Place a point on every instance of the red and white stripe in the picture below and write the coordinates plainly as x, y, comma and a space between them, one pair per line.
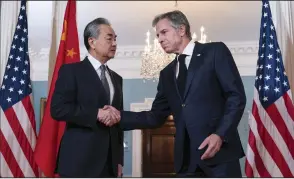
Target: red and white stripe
18, 140
270, 149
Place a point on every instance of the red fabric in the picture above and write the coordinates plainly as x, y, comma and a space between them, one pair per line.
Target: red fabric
51, 131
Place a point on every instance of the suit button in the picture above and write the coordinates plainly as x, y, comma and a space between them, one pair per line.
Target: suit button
183, 105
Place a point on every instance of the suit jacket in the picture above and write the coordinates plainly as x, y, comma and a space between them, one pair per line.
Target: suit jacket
214, 102
78, 95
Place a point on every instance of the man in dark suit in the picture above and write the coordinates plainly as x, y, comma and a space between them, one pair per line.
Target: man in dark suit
88, 147
203, 90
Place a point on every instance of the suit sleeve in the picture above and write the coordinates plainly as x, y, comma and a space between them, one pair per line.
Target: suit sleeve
121, 134
148, 119
64, 105
233, 89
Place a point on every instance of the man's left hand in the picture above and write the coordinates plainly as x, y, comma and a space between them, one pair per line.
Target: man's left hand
119, 170
214, 143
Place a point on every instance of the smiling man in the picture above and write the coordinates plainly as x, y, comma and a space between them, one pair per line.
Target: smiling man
88, 147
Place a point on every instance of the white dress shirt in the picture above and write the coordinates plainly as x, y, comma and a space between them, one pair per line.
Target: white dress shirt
96, 64
187, 51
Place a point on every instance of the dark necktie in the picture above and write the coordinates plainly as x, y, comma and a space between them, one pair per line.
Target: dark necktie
105, 83
181, 80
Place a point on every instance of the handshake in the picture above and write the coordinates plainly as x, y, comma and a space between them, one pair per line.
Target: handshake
108, 115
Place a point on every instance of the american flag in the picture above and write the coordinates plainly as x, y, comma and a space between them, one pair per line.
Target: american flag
270, 149
18, 126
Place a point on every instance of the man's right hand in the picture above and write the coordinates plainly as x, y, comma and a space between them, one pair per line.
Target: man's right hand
109, 115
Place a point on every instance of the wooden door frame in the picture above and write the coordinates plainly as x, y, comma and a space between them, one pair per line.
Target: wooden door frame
137, 143
137, 160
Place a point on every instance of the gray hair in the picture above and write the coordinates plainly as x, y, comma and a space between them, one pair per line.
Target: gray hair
93, 29
176, 18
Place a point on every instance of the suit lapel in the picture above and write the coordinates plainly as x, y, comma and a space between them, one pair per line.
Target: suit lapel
116, 95
196, 61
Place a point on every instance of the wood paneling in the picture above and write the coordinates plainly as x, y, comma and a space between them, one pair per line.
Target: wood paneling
158, 151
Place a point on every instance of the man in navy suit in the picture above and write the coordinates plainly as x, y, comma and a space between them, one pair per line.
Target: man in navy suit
203, 90
88, 147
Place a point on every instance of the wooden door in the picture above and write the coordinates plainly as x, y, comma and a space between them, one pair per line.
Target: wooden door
158, 151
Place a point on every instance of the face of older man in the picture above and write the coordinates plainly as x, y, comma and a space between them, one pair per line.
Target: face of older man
105, 45
169, 37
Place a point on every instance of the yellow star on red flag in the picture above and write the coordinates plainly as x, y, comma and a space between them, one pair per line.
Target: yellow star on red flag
71, 52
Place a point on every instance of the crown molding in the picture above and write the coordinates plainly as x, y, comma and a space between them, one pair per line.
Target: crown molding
127, 61
135, 51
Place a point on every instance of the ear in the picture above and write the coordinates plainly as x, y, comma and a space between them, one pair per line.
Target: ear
182, 30
92, 42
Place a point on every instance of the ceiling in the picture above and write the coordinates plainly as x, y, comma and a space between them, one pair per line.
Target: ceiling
223, 20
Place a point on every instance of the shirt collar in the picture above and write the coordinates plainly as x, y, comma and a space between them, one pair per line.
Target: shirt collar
188, 50
95, 63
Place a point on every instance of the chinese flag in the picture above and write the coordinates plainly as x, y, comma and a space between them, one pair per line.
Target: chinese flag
51, 131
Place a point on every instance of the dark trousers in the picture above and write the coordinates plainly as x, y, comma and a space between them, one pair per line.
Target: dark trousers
223, 170
107, 171
227, 170
199, 173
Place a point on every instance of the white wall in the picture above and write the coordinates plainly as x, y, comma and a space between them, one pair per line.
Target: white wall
127, 61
